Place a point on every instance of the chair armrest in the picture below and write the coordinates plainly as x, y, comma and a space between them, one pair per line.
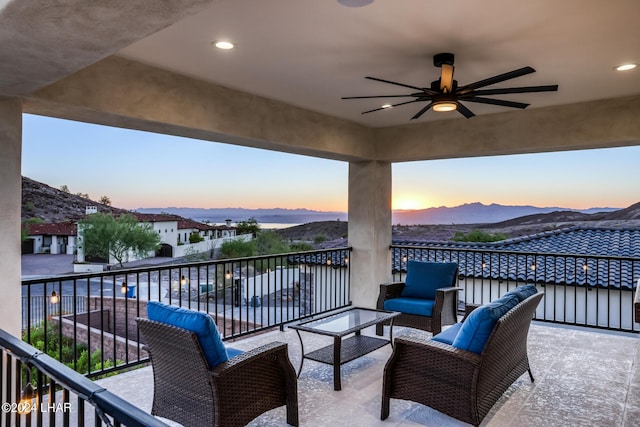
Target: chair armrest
389, 291
446, 297
262, 379
251, 357
449, 290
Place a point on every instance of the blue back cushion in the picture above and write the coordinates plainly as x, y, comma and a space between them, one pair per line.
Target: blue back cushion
523, 292
448, 335
418, 307
195, 321
423, 278
477, 327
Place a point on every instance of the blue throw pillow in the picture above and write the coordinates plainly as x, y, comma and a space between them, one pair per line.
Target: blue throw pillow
423, 278
523, 292
195, 321
477, 327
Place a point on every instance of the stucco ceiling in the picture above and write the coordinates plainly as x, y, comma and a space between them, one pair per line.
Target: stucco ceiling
312, 53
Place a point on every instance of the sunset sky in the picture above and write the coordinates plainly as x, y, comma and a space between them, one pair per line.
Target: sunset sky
139, 169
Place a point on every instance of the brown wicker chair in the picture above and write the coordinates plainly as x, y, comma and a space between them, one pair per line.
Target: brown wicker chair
461, 384
231, 394
445, 309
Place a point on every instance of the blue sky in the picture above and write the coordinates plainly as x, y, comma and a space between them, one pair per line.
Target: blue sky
140, 169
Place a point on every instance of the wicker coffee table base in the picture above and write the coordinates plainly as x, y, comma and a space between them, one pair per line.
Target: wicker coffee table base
343, 351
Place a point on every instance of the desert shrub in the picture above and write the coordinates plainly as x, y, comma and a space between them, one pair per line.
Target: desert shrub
478, 236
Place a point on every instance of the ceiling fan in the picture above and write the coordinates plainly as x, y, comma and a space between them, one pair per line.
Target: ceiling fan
444, 94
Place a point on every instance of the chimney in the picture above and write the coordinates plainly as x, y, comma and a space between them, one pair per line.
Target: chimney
228, 221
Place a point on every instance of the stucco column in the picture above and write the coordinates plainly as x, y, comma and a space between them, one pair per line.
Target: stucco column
369, 229
11, 191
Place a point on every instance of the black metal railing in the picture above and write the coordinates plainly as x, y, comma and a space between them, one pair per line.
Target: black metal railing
36, 389
592, 291
88, 320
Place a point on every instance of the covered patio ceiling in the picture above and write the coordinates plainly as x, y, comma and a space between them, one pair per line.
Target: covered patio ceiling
152, 67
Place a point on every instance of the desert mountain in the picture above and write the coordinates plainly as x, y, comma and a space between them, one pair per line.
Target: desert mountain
52, 205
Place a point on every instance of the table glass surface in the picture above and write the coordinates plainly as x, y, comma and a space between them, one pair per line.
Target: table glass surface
346, 320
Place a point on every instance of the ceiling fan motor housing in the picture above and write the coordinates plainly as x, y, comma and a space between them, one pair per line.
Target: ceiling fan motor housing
443, 58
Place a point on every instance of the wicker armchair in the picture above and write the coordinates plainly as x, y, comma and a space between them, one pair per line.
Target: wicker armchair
231, 394
445, 308
459, 383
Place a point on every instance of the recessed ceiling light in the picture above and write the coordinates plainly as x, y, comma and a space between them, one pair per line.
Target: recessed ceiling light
355, 3
223, 44
387, 106
625, 67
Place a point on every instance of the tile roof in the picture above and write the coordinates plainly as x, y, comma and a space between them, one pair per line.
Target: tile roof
188, 224
573, 256
52, 229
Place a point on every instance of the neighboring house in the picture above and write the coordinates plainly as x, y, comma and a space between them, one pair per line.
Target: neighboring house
52, 238
174, 232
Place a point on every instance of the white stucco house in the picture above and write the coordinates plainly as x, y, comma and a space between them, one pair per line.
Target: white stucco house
174, 231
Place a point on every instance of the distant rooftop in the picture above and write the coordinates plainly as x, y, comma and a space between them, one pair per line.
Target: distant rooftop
574, 256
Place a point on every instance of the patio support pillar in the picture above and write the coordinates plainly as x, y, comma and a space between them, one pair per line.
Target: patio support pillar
369, 229
10, 209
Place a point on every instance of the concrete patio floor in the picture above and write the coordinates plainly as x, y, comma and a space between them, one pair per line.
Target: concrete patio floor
583, 377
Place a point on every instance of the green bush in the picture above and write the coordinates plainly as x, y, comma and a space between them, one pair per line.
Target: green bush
195, 238
301, 247
319, 238
478, 236
237, 249
62, 349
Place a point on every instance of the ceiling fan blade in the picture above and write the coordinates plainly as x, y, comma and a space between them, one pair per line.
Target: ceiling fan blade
394, 105
525, 89
464, 110
421, 89
496, 79
379, 96
421, 112
500, 102
394, 83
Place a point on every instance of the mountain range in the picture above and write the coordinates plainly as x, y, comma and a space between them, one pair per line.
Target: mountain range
468, 213
53, 205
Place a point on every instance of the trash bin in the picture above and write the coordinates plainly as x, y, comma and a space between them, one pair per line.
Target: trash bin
131, 291
255, 301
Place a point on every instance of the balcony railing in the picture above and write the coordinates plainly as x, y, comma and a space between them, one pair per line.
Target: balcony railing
88, 320
591, 291
38, 390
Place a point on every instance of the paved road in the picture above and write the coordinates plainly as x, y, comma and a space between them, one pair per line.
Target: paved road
51, 265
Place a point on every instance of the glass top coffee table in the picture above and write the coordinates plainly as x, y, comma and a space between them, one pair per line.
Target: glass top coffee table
338, 326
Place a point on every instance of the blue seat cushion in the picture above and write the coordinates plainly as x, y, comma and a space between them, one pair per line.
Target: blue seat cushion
523, 292
477, 327
195, 321
448, 335
419, 307
423, 278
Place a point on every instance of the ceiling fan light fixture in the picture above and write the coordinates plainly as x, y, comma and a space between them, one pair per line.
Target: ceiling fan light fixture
223, 44
625, 67
442, 106
355, 3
